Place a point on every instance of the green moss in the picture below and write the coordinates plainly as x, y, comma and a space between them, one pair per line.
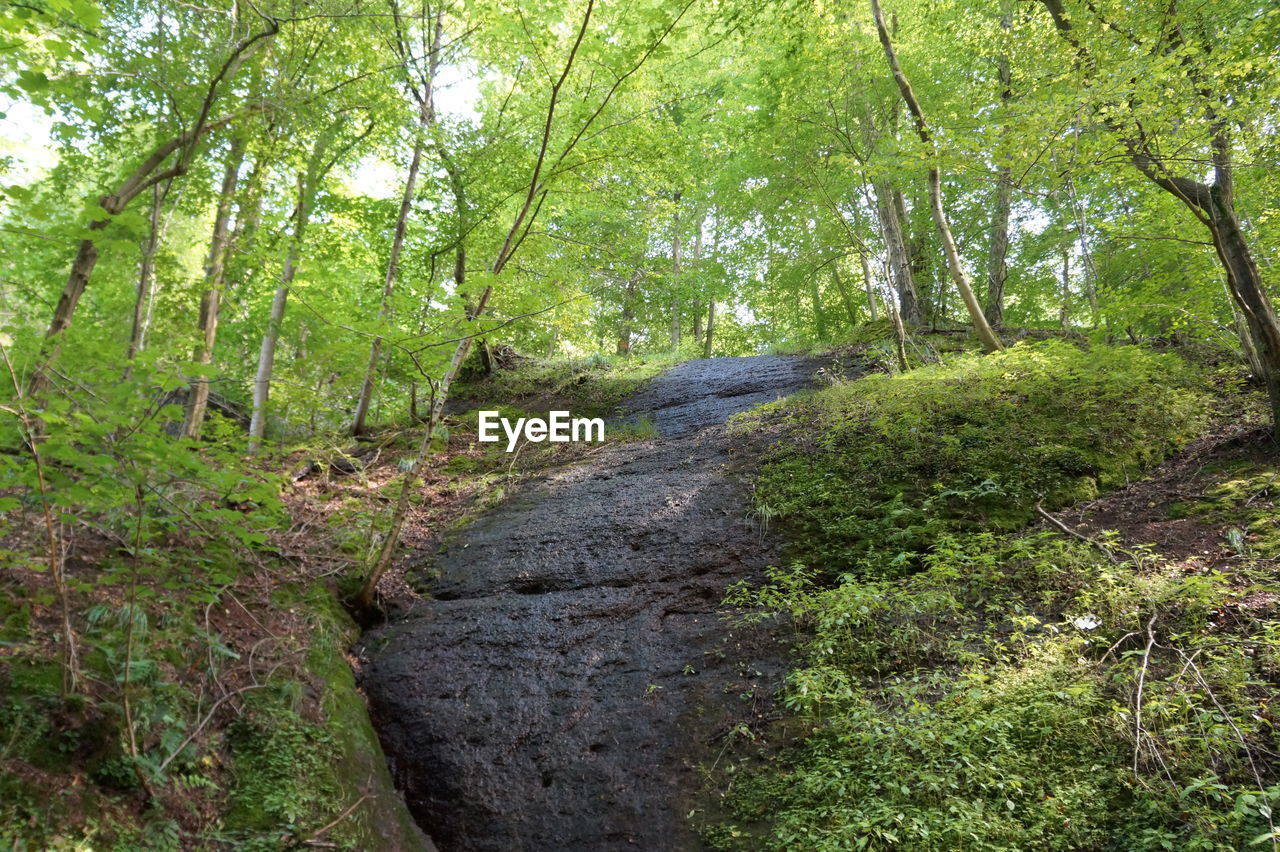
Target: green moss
382, 822
963, 684
871, 471
293, 773
589, 387
1243, 496
281, 766
983, 703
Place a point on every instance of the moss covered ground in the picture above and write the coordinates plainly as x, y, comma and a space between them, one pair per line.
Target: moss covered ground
1008, 637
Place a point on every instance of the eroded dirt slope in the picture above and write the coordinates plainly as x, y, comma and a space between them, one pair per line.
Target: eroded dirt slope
574, 667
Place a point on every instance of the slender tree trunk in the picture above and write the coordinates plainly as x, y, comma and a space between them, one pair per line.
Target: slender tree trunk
1242, 331
211, 300
1064, 312
819, 315
900, 261
899, 334
308, 184
711, 327
988, 337
146, 280
696, 307
866, 282
961, 278
267, 352
628, 315
358, 425
1090, 278
890, 217
997, 269
846, 298
676, 258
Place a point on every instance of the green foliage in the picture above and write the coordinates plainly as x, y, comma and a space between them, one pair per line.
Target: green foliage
1243, 497
588, 387
986, 703
960, 685
283, 768
872, 470
725, 162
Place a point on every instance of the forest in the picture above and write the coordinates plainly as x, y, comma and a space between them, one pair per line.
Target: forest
936, 502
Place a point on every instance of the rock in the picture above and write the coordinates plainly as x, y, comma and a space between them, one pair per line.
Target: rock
575, 665
346, 465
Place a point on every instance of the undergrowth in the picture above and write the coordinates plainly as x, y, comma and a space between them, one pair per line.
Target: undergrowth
965, 683
162, 630
589, 387
872, 470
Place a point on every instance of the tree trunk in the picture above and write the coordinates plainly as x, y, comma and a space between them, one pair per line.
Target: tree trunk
989, 340
1064, 312
1090, 273
711, 327
1242, 331
146, 279
1250, 295
819, 315
997, 269
900, 261
628, 315
697, 303
916, 249
318, 165
211, 300
899, 335
846, 298
677, 249
358, 425
267, 352
866, 282
988, 337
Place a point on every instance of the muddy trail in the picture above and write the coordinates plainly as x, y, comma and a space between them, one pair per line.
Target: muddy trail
574, 665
